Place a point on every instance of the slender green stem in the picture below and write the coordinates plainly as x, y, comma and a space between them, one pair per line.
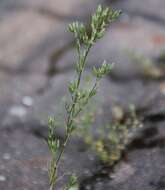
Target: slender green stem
62, 149
70, 117
79, 97
69, 123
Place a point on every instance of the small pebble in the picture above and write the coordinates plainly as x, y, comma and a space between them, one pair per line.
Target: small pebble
2, 178
6, 156
18, 111
88, 187
99, 185
98, 179
91, 158
35, 182
27, 101
86, 172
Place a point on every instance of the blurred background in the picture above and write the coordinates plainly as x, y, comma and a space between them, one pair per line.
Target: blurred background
37, 58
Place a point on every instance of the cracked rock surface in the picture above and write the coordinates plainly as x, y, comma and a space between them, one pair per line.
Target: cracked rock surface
36, 63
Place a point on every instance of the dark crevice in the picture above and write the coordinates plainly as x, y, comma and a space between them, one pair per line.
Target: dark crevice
150, 132
23, 69
102, 173
17, 71
155, 118
52, 70
88, 183
12, 71
55, 57
33, 127
37, 132
141, 143
43, 134
148, 138
160, 184
148, 116
124, 79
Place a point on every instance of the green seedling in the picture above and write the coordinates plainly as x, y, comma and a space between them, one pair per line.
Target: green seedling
149, 67
79, 96
113, 138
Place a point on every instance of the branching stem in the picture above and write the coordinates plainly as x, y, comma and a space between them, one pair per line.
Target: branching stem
79, 97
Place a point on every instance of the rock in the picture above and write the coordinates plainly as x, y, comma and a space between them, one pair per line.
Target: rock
59, 9
26, 166
27, 101
144, 169
27, 160
123, 173
18, 111
6, 156
153, 12
148, 175
155, 111
121, 44
32, 38
36, 64
14, 90
111, 94
2, 178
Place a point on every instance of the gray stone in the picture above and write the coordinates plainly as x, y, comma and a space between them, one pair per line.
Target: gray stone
27, 39
110, 94
27, 160
13, 92
142, 169
36, 64
26, 167
151, 9
122, 43
145, 171
55, 8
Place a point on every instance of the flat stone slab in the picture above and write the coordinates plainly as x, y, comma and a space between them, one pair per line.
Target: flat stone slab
55, 8
151, 9
17, 95
36, 64
111, 94
123, 42
145, 170
142, 169
27, 38
24, 159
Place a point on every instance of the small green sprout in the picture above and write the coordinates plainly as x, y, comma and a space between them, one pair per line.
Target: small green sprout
149, 67
103, 70
72, 184
79, 96
113, 138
